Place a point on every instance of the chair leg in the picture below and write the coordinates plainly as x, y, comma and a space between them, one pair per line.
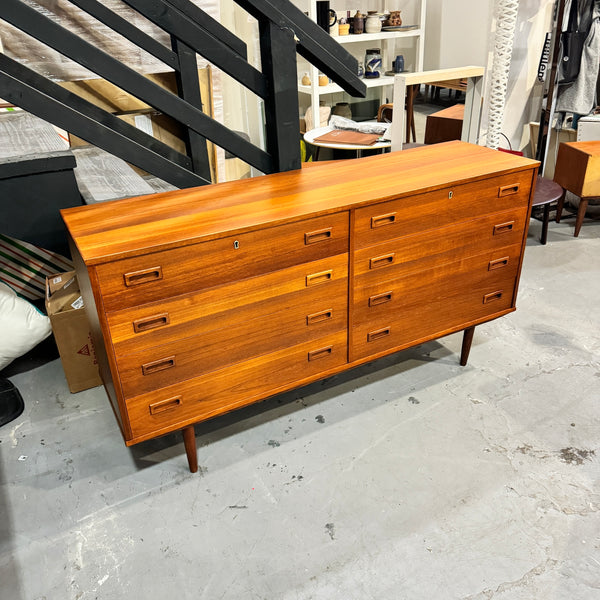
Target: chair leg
583, 203
545, 220
559, 206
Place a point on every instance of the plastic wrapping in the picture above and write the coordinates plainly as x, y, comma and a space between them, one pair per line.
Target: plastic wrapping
338, 122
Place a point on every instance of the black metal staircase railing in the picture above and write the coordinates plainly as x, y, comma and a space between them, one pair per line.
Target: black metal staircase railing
283, 31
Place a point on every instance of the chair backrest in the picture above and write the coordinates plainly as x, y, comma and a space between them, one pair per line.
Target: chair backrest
384, 114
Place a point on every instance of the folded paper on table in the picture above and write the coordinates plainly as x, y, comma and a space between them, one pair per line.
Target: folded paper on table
338, 136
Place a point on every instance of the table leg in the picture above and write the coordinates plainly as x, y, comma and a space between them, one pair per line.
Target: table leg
583, 203
545, 220
559, 206
466, 345
189, 441
410, 118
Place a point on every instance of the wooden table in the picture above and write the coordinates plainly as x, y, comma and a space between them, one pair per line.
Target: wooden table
472, 115
578, 171
310, 136
445, 125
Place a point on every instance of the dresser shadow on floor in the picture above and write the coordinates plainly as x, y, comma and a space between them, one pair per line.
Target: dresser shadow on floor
170, 446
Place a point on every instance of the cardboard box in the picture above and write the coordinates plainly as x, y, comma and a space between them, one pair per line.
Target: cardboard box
71, 329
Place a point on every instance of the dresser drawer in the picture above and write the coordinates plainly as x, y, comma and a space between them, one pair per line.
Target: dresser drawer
135, 281
139, 328
237, 385
424, 305
291, 321
431, 210
397, 257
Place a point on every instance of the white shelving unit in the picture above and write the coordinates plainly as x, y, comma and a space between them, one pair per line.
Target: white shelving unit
357, 45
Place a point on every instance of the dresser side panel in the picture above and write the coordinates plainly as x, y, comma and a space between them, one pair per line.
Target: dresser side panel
92, 298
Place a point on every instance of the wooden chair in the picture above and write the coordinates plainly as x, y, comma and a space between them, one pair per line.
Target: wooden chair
385, 113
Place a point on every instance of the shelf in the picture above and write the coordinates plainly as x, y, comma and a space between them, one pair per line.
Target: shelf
390, 43
333, 88
376, 37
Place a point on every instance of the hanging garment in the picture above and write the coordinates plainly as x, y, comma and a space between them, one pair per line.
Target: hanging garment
580, 97
572, 42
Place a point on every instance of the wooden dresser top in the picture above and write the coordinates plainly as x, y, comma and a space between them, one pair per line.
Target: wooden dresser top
134, 226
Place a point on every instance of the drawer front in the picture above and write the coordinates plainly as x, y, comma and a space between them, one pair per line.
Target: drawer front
292, 321
140, 328
234, 386
397, 257
414, 214
151, 277
396, 313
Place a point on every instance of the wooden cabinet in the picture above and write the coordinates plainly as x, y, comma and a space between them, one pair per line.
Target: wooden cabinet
205, 300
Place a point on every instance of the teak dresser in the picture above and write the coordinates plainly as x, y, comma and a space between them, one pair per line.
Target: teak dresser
208, 299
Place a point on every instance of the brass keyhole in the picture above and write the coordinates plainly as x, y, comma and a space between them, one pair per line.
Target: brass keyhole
236, 245
450, 194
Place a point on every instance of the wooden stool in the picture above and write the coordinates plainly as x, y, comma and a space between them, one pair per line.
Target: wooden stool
578, 171
547, 192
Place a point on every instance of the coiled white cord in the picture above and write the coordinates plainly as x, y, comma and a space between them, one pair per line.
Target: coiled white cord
506, 20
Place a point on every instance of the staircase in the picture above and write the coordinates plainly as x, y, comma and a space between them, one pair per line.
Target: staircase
284, 31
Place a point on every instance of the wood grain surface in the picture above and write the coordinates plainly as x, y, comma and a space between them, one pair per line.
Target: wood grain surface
140, 225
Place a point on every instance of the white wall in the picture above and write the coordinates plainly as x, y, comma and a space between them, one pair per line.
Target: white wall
461, 33
457, 33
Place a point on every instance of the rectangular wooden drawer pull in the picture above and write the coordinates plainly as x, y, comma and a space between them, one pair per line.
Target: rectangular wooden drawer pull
312, 237
498, 263
382, 220
141, 277
382, 261
165, 405
151, 322
378, 334
493, 296
319, 317
380, 298
158, 365
321, 277
320, 353
507, 190
504, 227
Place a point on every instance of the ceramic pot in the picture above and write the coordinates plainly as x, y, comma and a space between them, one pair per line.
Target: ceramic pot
394, 20
342, 109
358, 23
373, 22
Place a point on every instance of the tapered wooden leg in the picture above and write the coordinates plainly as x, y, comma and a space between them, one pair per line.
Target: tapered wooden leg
466, 345
189, 441
583, 203
544, 236
559, 206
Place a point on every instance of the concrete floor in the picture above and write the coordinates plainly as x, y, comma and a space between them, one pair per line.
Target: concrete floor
409, 478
